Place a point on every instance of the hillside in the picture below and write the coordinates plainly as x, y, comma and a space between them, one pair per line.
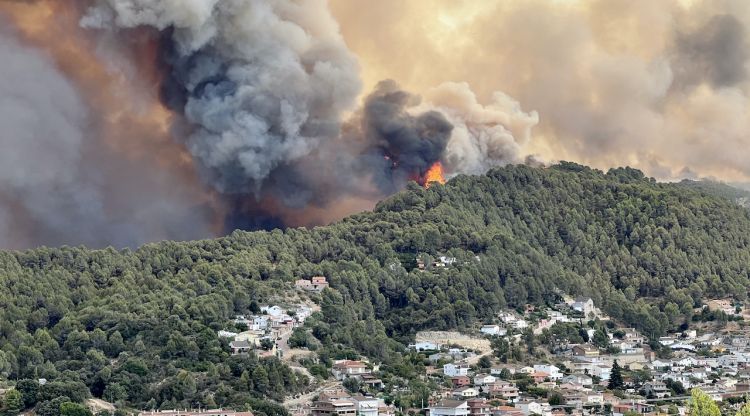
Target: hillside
733, 193
139, 326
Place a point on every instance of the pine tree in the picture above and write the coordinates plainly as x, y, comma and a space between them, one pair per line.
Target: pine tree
13, 403
615, 377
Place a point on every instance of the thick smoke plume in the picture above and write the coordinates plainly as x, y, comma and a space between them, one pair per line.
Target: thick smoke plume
138, 120
267, 91
261, 82
659, 85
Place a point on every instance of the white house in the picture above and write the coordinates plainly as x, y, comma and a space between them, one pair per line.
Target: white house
657, 389
553, 371
302, 313
681, 377
465, 393
578, 379
241, 320
425, 346
494, 330
686, 362
272, 310
449, 408
660, 364
530, 408
455, 370
508, 318
601, 371
366, 406
482, 379
594, 398
729, 360
496, 371
666, 341
346, 368
584, 306
259, 323
520, 324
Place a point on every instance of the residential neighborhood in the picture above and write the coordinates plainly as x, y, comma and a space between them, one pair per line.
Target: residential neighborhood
261, 332
611, 370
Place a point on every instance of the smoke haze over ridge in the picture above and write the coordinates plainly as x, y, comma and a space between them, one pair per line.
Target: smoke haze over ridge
205, 116
659, 85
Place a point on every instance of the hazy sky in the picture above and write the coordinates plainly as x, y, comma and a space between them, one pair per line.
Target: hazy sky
658, 85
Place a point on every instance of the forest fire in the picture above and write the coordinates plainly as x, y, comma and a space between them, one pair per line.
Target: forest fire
434, 174
166, 126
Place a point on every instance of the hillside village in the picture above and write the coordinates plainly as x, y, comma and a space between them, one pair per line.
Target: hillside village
563, 359
615, 371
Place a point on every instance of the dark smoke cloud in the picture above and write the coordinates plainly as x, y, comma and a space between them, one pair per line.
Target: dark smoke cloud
264, 100
716, 53
405, 144
383, 146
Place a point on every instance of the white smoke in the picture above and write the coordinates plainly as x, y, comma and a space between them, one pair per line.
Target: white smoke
484, 136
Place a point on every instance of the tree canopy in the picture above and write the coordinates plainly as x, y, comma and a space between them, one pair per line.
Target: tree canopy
140, 326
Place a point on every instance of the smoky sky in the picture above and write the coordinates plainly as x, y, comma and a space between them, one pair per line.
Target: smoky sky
59, 184
278, 114
657, 85
716, 53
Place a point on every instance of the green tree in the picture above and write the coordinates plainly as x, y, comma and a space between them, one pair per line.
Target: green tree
351, 384
266, 344
615, 377
51, 407
29, 390
13, 402
114, 393
74, 409
701, 404
600, 338
501, 349
556, 399
485, 362
744, 410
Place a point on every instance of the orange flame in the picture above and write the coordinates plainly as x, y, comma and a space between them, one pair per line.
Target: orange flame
434, 174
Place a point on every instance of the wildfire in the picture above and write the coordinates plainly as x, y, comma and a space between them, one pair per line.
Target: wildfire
434, 174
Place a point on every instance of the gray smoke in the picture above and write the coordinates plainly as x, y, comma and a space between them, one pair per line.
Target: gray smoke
265, 86
263, 83
59, 184
42, 119
716, 52
264, 94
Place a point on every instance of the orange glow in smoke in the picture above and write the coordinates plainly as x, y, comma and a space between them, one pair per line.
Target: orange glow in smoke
126, 99
119, 82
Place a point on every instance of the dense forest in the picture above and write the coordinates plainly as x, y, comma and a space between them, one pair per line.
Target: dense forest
138, 327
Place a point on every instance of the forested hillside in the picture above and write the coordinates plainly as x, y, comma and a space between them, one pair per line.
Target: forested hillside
740, 196
139, 327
